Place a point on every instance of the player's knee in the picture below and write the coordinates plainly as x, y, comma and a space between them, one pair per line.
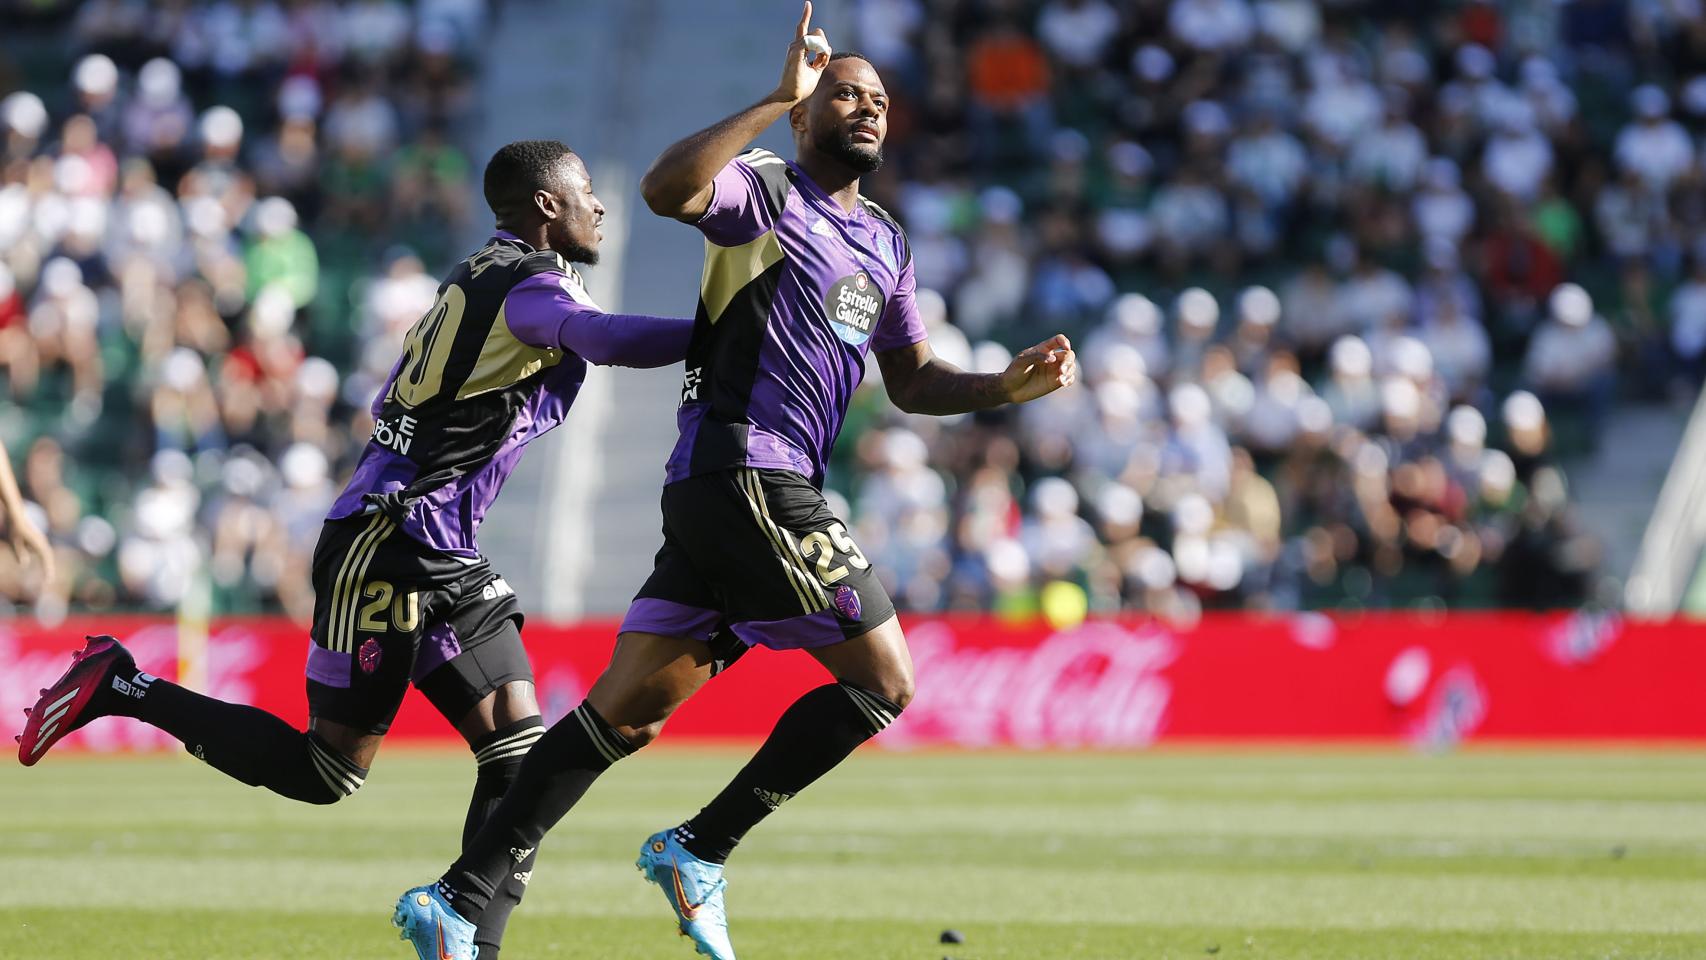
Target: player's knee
642, 735
896, 686
338, 776
499, 754
901, 691
331, 795
879, 708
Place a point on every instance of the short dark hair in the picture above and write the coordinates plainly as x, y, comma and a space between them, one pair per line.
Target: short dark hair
520, 168
849, 55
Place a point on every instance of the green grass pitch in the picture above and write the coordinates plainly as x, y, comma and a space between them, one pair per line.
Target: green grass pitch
1180, 854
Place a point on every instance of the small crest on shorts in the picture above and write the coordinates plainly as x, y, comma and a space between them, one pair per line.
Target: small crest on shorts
368, 655
847, 601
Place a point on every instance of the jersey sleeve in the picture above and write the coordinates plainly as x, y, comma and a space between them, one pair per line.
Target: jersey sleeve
900, 326
745, 199
544, 311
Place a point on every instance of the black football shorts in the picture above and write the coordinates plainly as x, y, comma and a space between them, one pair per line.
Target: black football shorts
390, 611
760, 551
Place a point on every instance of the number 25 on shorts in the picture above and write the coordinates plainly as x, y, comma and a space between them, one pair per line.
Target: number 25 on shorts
824, 544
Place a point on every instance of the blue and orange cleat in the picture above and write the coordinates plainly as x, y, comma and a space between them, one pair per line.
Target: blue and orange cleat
69, 702
433, 926
694, 889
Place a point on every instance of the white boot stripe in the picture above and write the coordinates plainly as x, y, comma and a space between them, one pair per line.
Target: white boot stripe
62, 700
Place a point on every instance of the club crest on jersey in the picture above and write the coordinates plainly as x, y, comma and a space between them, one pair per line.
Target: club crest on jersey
847, 601
368, 656
853, 305
887, 253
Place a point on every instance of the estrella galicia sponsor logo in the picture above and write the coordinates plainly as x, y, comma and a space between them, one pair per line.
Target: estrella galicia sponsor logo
853, 305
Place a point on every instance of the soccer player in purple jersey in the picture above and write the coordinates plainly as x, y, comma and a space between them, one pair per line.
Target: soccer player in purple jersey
803, 276
402, 592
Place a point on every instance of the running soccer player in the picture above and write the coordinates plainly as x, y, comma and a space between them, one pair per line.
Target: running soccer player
402, 592
802, 277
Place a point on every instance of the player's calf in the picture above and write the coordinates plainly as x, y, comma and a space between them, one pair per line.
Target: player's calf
499, 756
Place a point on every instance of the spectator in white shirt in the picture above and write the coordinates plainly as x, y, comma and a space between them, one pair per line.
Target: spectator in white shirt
1654, 146
1570, 361
1688, 320
1211, 26
1518, 156
1373, 295
1350, 391
1391, 156
1077, 32
1461, 350
1442, 208
1189, 215
1630, 217
1267, 160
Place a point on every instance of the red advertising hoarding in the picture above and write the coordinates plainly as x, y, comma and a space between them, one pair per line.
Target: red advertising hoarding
1102, 685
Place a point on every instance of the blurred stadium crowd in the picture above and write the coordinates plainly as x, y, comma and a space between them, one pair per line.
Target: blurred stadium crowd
1347, 280
202, 276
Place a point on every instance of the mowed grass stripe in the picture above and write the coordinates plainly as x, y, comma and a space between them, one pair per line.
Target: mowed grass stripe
216, 935
1521, 855
811, 892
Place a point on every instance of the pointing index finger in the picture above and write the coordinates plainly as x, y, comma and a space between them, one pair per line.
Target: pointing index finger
805, 21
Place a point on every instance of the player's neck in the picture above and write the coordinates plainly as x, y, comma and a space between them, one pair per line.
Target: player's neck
833, 177
534, 236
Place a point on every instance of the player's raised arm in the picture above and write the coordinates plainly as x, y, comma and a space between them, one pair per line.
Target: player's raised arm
679, 182
918, 381
545, 311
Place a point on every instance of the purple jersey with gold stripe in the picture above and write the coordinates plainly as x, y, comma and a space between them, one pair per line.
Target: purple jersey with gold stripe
794, 293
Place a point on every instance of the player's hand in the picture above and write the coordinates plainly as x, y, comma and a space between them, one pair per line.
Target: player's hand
32, 546
1041, 370
800, 74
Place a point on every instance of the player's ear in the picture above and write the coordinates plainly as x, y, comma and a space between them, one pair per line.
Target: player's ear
546, 203
797, 117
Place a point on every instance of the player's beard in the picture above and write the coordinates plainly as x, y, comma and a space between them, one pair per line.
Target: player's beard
575, 253
838, 142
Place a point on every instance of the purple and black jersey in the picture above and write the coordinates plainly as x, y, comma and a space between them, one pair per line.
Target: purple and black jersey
493, 365
795, 292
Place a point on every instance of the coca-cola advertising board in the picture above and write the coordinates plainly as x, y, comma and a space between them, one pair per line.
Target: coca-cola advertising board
983, 682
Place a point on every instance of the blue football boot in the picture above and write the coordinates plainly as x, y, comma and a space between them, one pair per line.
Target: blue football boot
435, 929
694, 889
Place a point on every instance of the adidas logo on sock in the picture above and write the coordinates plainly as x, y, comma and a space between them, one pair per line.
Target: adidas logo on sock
771, 798
519, 854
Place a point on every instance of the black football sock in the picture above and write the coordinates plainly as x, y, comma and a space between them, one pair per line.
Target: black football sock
499, 755
815, 734
557, 772
242, 742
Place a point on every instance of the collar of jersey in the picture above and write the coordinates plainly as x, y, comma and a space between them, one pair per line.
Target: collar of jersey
501, 234
822, 199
